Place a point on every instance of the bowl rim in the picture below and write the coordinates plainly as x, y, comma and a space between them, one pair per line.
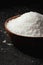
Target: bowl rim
14, 17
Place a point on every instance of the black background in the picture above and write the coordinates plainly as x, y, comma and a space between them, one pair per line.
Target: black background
29, 3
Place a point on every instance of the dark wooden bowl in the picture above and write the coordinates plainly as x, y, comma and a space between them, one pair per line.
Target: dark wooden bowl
29, 45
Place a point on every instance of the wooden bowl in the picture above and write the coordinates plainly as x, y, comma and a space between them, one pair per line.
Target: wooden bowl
29, 45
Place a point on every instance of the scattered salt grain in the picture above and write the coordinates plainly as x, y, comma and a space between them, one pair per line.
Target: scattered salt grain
32, 61
9, 44
1, 49
4, 41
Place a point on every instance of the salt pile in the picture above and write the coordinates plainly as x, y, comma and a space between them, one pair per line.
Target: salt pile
29, 24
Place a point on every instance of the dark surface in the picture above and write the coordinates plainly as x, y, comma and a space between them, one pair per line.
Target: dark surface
9, 55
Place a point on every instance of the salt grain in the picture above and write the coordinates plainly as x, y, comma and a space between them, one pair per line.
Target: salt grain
4, 41
1, 49
28, 24
9, 44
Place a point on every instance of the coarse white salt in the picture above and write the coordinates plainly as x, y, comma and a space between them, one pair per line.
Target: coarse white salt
29, 24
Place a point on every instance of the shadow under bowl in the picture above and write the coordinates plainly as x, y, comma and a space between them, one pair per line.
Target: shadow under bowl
32, 46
